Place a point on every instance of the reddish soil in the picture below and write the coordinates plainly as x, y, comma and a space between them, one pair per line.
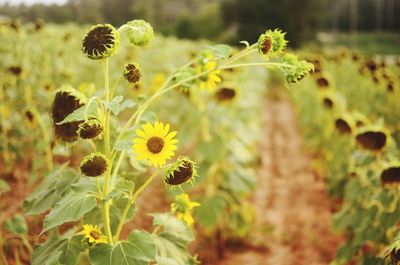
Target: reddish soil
293, 207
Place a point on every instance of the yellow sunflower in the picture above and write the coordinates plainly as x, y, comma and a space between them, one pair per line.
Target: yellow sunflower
210, 80
183, 207
93, 234
155, 144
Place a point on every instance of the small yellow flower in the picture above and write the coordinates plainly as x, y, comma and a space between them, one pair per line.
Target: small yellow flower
210, 80
183, 207
155, 143
93, 234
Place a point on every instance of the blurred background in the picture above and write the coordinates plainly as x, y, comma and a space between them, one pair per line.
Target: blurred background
371, 26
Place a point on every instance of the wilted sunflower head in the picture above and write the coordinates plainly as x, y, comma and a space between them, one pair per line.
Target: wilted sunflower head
66, 100
299, 69
100, 42
360, 119
94, 165
272, 41
132, 73
391, 174
15, 70
344, 124
90, 129
323, 80
372, 138
180, 172
226, 94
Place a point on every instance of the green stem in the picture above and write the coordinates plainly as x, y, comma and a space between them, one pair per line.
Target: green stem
107, 112
132, 202
270, 64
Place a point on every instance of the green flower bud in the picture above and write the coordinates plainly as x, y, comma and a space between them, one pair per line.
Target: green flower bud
272, 42
101, 42
66, 100
94, 165
132, 73
180, 172
299, 70
140, 32
90, 129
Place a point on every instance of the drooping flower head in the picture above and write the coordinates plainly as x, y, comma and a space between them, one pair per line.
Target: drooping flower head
132, 73
180, 172
94, 165
298, 68
66, 100
93, 234
155, 143
100, 42
272, 41
90, 129
182, 207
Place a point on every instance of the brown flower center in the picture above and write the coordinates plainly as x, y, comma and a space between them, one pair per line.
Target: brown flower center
98, 40
155, 144
266, 46
95, 235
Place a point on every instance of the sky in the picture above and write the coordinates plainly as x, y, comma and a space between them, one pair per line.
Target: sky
30, 2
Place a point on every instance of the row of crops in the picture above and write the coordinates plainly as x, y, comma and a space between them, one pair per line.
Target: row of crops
352, 102
94, 116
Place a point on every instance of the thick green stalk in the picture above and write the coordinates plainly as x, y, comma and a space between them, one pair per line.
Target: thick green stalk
132, 201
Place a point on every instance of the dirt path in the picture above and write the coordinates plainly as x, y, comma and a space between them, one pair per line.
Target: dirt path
291, 200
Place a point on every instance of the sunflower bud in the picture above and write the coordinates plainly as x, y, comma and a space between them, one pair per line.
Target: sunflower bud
299, 70
140, 32
100, 42
66, 100
132, 73
182, 171
372, 138
272, 42
15, 70
90, 129
94, 165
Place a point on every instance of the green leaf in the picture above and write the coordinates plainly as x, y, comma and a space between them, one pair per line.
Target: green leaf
79, 114
127, 104
114, 104
16, 225
176, 229
210, 211
58, 251
50, 191
70, 208
165, 261
126, 141
139, 249
221, 51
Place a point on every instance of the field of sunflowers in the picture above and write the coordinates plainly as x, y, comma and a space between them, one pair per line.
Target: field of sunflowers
119, 146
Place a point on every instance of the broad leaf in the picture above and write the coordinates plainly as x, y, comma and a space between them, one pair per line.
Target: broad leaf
50, 191
114, 104
221, 51
79, 114
139, 249
70, 208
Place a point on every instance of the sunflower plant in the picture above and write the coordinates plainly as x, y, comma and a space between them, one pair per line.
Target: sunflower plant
98, 199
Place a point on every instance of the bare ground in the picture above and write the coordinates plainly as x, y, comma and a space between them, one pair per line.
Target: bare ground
291, 200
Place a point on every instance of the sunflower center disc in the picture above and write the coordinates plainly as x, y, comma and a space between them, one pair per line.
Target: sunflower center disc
95, 235
155, 144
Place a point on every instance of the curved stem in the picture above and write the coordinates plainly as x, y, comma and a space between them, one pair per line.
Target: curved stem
132, 201
258, 64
